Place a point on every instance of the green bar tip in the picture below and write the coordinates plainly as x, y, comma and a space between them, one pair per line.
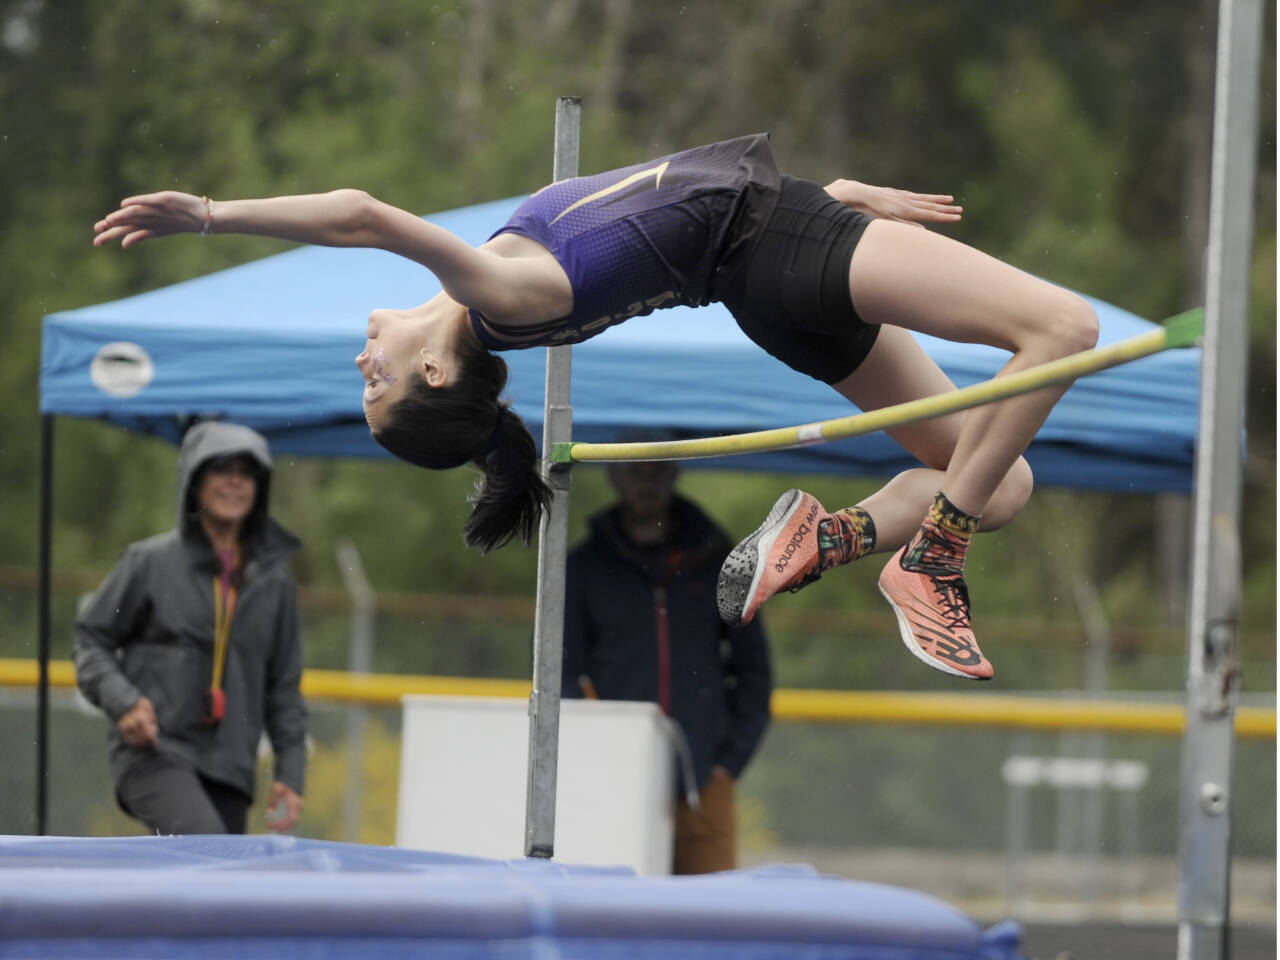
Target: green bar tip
1184, 329
562, 452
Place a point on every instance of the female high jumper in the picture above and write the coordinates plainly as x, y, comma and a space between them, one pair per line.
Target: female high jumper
830, 280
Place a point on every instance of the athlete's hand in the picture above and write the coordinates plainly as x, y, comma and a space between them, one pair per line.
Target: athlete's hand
284, 807
138, 725
889, 203
151, 215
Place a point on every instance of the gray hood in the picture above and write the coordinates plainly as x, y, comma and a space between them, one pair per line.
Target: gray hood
207, 441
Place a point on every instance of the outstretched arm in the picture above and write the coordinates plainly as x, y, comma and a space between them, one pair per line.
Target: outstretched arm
331, 219
341, 218
892, 204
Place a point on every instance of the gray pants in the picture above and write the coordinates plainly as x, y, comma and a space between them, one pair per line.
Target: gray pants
170, 797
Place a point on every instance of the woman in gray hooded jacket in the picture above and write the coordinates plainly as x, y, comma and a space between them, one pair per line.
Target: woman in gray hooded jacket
191, 647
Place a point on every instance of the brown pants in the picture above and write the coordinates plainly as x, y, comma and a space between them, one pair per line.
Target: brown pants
706, 839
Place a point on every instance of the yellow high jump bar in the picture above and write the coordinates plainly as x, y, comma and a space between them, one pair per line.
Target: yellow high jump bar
1180, 331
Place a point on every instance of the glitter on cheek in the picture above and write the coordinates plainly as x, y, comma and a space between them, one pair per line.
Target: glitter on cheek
380, 367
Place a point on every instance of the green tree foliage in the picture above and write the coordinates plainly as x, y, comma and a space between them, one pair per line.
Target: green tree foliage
1071, 131
1068, 129
1074, 132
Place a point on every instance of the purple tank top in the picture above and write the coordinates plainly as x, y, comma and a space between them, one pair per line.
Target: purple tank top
637, 239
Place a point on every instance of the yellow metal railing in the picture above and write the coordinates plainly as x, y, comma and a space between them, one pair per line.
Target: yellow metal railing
813, 706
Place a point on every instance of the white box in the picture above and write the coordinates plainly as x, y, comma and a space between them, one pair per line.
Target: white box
464, 777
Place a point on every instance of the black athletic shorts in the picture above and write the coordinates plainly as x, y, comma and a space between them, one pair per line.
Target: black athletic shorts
786, 280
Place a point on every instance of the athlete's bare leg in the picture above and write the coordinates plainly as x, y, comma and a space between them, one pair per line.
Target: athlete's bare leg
898, 370
905, 276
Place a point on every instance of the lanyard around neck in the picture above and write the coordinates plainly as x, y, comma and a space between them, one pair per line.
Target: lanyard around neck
224, 610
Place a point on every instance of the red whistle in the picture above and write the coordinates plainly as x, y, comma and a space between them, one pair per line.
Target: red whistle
215, 706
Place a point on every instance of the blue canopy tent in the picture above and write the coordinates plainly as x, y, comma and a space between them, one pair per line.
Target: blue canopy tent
270, 344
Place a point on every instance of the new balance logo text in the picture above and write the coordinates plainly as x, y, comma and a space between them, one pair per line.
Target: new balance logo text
797, 540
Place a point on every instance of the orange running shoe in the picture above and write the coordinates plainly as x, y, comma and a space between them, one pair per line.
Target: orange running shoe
782, 554
933, 618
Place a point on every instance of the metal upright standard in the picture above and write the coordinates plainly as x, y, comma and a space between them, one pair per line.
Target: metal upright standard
1213, 619
45, 616
553, 547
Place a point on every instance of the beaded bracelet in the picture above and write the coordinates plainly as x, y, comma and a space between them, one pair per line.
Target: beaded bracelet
208, 217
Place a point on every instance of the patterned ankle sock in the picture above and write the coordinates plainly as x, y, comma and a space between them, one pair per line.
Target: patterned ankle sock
943, 539
844, 536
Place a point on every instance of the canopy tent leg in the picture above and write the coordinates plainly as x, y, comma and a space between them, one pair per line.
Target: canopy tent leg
553, 549
1213, 620
44, 602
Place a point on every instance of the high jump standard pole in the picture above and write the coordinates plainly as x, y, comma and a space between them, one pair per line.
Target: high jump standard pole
1204, 847
553, 549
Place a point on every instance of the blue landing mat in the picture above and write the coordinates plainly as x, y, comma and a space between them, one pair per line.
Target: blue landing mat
277, 897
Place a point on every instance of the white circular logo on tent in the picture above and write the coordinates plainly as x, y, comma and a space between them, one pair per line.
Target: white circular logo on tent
122, 369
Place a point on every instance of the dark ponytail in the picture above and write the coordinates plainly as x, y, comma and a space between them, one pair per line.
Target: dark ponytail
465, 421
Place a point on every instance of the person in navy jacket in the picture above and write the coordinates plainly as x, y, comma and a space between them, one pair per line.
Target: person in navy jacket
641, 624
